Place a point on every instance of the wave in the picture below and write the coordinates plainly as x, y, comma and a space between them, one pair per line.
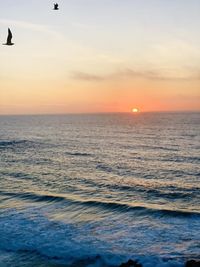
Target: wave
142, 210
110, 206
188, 159
12, 143
125, 171
24, 143
80, 154
17, 175
105, 168
30, 232
150, 147
167, 193
33, 197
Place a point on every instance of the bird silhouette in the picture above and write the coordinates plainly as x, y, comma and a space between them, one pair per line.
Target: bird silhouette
9, 38
56, 6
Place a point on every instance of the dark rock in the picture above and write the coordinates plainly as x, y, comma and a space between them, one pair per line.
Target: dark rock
192, 263
131, 263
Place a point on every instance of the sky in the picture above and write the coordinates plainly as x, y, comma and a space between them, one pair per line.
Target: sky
100, 56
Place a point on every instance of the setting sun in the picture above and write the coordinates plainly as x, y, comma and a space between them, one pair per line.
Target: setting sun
135, 110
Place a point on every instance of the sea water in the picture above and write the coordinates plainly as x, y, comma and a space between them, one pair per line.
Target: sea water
99, 189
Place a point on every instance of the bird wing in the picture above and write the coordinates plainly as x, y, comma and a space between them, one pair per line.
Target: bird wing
9, 36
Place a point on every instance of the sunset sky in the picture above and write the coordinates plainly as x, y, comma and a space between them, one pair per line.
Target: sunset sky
100, 56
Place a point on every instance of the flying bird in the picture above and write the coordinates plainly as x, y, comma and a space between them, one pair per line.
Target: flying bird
56, 6
9, 38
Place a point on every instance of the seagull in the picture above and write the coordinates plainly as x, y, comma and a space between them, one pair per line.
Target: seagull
9, 38
56, 6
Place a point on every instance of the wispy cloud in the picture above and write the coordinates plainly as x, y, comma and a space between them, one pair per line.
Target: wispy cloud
145, 74
87, 76
28, 25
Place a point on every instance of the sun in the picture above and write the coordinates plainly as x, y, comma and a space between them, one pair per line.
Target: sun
135, 110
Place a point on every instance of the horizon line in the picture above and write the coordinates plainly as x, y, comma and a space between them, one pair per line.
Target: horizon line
98, 113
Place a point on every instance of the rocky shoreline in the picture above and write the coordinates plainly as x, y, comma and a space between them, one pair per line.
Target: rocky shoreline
133, 263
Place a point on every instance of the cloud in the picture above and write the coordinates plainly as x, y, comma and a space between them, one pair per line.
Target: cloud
161, 75
28, 25
87, 76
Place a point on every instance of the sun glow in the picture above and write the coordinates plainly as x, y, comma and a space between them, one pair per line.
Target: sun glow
135, 110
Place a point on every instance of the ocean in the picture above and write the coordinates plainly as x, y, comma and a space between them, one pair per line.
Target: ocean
95, 190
